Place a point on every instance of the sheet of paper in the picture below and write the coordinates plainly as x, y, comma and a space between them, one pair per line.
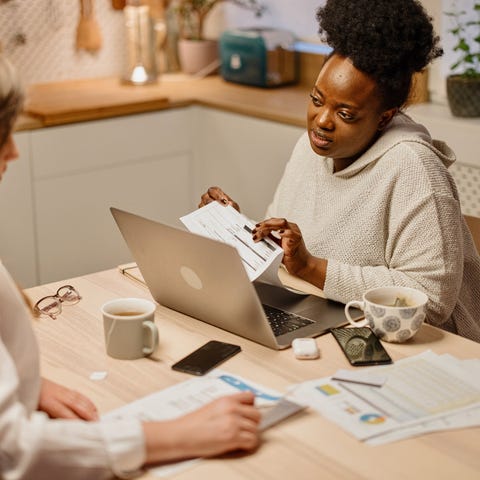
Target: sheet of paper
279, 412
423, 393
187, 396
260, 259
464, 419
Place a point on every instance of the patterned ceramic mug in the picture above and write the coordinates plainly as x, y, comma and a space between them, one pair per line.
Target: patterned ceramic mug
394, 313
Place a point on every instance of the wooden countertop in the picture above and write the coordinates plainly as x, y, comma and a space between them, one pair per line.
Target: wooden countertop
59, 103
27, 122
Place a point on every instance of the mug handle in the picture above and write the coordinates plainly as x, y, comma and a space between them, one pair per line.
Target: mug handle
361, 306
153, 337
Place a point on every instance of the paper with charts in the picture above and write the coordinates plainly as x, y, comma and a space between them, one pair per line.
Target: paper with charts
191, 394
424, 393
223, 223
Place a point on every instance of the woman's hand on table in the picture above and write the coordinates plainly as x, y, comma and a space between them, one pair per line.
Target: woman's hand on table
217, 194
223, 425
58, 401
296, 258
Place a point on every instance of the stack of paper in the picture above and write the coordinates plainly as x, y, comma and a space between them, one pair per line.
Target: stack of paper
424, 393
223, 223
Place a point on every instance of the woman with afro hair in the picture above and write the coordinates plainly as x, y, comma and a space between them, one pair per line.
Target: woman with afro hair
366, 199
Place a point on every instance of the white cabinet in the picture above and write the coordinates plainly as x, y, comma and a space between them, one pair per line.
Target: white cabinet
245, 156
17, 238
139, 163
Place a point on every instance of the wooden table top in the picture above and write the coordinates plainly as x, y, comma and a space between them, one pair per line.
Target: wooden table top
305, 446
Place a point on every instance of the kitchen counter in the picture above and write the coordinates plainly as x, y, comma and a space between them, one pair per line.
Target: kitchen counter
59, 103
27, 122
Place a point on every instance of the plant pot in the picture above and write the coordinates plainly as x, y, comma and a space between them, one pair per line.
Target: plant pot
463, 95
196, 55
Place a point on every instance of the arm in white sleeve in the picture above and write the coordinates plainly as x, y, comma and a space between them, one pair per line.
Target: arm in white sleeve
32, 446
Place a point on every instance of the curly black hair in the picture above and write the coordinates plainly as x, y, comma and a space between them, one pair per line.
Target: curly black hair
389, 40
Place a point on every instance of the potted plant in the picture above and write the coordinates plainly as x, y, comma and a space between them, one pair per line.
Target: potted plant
463, 85
197, 53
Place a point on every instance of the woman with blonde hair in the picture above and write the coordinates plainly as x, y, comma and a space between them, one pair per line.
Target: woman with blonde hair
49, 431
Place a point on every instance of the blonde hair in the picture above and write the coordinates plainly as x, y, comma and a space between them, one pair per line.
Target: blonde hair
11, 101
11, 98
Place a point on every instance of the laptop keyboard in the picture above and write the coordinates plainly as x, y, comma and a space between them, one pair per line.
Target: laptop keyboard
284, 322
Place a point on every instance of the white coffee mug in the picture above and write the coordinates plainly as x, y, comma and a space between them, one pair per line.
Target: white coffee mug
395, 314
129, 327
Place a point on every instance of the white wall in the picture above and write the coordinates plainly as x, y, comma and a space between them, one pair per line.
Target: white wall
48, 28
298, 16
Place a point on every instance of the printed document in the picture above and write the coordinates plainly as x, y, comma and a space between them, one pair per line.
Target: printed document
223, 223
427, 392
187, 396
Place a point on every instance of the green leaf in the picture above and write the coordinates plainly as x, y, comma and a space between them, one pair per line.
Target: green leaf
463, 45
456, 65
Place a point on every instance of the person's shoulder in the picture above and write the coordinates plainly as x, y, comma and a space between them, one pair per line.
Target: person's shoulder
419, 168
403, 128
413, 143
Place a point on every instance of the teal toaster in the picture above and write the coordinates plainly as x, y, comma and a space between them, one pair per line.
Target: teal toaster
262, 57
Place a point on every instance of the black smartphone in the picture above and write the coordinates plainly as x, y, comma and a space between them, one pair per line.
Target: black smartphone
208, 356
361, 346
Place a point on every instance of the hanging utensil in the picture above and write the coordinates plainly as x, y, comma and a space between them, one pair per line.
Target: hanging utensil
118, 4
88, 32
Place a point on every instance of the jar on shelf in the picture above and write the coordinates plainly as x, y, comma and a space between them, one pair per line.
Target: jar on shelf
140, 41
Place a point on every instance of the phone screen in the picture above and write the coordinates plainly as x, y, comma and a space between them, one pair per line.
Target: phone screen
206, 357
361, 346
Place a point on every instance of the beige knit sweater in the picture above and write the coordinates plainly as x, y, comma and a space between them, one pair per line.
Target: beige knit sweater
391, 218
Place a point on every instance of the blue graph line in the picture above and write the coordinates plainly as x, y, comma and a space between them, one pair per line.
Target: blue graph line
238, 384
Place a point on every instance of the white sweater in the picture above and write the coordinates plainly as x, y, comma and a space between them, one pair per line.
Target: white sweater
32, 446
391, 218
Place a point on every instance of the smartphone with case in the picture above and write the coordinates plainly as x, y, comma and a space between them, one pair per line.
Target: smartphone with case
205, 358
361, 346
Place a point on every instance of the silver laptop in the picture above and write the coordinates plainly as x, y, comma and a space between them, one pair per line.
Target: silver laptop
206, 279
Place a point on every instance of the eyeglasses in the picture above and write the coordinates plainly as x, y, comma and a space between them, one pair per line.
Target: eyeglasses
52, 304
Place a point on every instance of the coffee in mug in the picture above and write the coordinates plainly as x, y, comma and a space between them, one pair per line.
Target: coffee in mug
129, 328
395, 314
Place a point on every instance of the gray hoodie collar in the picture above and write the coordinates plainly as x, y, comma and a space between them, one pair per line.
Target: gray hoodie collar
401, 129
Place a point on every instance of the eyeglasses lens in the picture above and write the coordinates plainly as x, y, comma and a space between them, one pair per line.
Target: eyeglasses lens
68, 294
49, 306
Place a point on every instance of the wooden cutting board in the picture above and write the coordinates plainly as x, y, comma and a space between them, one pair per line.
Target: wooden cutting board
57, 103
